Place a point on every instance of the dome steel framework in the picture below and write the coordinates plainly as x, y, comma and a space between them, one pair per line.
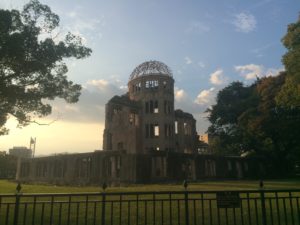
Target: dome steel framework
150, 68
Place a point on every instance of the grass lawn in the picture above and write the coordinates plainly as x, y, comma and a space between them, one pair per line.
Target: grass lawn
202, 208
10, 187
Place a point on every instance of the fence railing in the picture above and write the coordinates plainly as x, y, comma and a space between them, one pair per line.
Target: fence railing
246, 207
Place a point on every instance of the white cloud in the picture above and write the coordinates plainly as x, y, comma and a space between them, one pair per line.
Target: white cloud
72, 14
187, 104
244, 22
81, 25
124, 88
84, 26
206, 97
180, 94
100, 84
71, 108
91, 105
273, 72
251, 71
188, 60
9, 4
218, 78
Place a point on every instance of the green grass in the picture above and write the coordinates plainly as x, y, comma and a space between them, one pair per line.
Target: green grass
10, 187
202, 208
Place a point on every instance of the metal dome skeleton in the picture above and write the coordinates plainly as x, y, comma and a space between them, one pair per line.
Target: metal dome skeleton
150, 68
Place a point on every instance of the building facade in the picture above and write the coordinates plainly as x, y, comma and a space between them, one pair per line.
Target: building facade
21, 152
144, 119
145, 140
119, 168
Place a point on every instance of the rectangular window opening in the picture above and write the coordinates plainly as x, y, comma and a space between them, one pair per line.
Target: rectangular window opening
131, 118
151, 130
151, 84
151, 110
155, 107
165, 84
138, 86
156, 130
185, 128
176, 127
168, 130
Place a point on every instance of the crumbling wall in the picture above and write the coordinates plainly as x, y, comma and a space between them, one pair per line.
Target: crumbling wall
118, 168
122, 126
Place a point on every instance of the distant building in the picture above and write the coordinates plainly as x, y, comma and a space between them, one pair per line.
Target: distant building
2, 153
21, 152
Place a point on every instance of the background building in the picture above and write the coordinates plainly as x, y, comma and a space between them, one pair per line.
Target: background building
21, 152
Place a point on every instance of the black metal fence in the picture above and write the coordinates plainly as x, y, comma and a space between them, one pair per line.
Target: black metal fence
265, 207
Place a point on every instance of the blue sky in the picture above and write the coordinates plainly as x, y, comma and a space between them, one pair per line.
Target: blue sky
207, 44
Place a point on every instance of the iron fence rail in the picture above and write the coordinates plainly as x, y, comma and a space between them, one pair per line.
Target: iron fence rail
246, 207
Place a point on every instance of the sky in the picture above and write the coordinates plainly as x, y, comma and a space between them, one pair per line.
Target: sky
207, 45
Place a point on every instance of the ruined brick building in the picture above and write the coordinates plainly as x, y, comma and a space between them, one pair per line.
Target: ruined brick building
144, 120
145, 141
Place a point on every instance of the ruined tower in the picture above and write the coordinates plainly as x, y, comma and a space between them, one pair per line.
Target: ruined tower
151, 83
144, 120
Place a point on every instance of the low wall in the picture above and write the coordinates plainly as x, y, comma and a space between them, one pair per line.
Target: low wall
117, 168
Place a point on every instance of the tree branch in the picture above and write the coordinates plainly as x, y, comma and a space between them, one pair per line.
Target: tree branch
34, 121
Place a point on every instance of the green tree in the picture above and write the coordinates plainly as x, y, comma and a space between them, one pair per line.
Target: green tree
289, 95
247, 118
264, 117
232, 103
278, 122
32, 67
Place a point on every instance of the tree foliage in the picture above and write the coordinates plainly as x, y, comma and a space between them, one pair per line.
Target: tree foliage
233, 103
264, 117
247, 119
290, 91
31, 63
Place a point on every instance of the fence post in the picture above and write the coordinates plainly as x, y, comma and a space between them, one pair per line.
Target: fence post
263, 204
17, 204
104, 186
186, 203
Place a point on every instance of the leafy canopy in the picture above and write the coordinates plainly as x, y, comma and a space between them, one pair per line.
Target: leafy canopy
290, 92
262, 118
248, 119
31, 63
